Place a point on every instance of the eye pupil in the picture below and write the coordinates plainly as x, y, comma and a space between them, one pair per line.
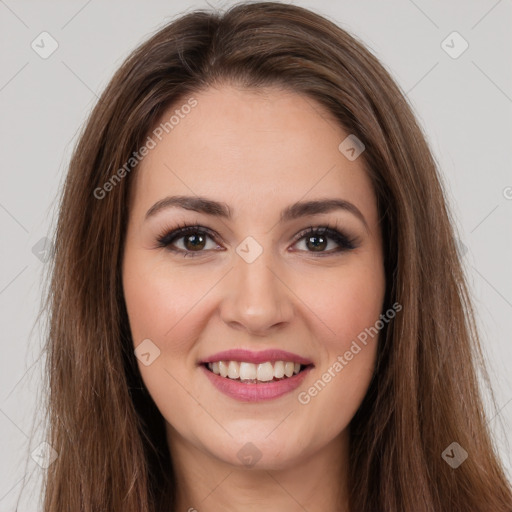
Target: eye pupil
317, 246
198, 241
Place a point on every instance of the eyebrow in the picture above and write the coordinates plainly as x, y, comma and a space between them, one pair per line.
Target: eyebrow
220, 209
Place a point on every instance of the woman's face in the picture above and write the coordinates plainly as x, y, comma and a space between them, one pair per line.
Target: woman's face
249, 278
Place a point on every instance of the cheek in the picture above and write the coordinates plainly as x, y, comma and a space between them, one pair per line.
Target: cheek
347, 303
350, 307
165, 306
161, 301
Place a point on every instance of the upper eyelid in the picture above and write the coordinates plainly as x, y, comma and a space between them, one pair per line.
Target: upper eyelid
182, 230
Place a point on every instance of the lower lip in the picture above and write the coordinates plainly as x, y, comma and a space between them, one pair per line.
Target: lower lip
246, 392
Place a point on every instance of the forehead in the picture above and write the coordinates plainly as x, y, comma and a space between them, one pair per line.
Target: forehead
256, 148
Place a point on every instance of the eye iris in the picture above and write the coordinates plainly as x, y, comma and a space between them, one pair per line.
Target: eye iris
318, 246
197, 240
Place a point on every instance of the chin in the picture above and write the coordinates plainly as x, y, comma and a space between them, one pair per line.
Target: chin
260, 451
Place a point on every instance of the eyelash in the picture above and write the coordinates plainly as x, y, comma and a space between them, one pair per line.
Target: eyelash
332, 232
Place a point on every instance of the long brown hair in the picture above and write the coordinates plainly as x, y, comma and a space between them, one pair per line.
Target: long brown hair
108, 433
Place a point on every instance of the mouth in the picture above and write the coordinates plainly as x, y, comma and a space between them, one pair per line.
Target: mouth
255, 376
256, 373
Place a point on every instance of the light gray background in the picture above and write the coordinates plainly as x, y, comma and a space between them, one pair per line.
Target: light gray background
464, 105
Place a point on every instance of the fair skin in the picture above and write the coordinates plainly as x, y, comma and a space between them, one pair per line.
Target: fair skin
258, 153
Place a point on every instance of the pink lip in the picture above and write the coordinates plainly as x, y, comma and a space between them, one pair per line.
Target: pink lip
246, 392
256, 357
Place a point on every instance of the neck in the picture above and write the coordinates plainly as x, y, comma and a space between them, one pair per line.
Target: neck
315, 483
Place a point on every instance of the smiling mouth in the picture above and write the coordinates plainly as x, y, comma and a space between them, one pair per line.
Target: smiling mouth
251, 373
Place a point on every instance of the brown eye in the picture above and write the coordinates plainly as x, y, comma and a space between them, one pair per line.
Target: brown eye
317, 240
188, 240
194, 242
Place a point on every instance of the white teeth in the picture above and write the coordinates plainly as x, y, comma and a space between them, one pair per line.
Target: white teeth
223, 369
247, 371
279, 369
263, 372
233, 370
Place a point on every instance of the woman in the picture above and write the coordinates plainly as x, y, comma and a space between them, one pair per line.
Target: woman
256, 300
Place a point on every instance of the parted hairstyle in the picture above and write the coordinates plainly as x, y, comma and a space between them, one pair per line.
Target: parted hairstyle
424, 394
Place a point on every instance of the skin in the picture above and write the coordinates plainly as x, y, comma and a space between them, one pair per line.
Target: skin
258, 152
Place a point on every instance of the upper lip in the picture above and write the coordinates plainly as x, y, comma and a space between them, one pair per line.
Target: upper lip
250, 356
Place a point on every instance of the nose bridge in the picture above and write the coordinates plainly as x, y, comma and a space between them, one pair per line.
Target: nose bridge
259, 298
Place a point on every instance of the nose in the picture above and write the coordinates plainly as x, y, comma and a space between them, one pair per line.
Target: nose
256, 296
